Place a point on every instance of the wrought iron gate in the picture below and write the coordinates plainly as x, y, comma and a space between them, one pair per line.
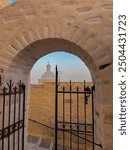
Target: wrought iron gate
73, 131
12, 108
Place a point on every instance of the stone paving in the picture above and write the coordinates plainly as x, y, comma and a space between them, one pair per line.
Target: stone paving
36, 143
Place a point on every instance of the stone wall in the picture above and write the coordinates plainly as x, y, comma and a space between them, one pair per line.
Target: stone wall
31, 29
4, 3
42, 81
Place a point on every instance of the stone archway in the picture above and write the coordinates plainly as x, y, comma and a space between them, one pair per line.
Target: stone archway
32, 29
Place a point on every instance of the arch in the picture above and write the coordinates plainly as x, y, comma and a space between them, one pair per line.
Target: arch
25, 59
22, 63
28, 22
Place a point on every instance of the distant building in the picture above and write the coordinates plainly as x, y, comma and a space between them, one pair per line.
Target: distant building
47, 76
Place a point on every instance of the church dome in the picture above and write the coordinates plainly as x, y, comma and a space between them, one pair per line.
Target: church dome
48, 74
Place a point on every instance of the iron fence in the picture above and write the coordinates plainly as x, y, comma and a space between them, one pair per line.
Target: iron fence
12, 99
71, 119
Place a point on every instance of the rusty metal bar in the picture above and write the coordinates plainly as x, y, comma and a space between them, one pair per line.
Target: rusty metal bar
75, 92
88, 124
9, 128
3, 118
23, 89
19, 111
8, 131
93, 116
77, 128
78, 117
9, 114
63, 118
56, 110
70, 117
99, 145
15, 90
85, 127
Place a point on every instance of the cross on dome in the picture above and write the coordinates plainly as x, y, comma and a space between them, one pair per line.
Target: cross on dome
48, 67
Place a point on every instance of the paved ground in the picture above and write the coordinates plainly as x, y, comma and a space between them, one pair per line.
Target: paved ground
36, 143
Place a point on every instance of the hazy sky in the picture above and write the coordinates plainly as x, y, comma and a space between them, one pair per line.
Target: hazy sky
13, 1
71, 66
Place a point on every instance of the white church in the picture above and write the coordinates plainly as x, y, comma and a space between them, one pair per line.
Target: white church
48, 76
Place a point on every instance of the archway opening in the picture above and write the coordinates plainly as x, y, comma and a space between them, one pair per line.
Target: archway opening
70, 66
23, 62
42, 96
33, 29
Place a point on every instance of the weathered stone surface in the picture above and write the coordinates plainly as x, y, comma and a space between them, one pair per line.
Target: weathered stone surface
49, 13
108, 144
108, 115
108, 6
32, 29
108, 119
26, 7
94, 19
84, 9
30, 16
101, 55
68, 2
12, 18
4, 3
107, 74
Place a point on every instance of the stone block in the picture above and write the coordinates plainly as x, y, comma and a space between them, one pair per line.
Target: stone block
106, 74
108, 144
108, 132
108, 115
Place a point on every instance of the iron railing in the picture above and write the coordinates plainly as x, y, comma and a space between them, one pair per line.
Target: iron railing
77, 129
73, 132
12, 98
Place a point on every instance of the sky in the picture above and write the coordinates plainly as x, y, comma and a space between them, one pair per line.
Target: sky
71, 66
13, 1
